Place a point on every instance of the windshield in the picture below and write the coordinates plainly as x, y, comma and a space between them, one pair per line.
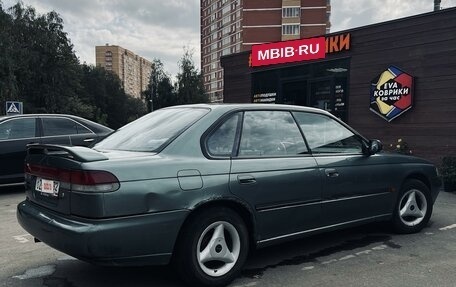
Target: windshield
151, 132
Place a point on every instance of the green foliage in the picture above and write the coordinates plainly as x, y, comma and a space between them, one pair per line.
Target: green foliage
39, 67
160, 88
189, 86
448, 170
401, 147
188, 89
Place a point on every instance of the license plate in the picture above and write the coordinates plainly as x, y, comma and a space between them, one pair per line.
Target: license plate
47, 187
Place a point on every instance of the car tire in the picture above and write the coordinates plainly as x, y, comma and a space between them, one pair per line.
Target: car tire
413, 207
212, 248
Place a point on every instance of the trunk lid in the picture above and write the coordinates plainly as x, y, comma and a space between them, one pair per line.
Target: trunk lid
51, 175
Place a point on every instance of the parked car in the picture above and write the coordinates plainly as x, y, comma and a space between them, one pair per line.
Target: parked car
200, 185
19, 130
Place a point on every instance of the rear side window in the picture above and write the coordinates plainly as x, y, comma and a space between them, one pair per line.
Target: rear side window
221, 141
270, 133
18, 129
62, 126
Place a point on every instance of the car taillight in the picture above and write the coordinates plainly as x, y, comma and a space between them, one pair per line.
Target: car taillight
93, 181
77, 180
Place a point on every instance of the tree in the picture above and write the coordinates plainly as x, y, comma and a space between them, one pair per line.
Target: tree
160, 88
8, 81
103, 91
189, 86
39, 66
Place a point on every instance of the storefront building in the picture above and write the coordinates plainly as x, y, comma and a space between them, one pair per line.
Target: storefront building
390, 81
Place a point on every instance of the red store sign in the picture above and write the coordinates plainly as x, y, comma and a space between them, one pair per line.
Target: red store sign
288, 51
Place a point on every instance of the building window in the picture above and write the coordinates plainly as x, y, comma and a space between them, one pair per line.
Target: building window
289, 12
226, 9
292, 29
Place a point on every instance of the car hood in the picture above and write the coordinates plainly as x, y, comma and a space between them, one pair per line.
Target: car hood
402, 158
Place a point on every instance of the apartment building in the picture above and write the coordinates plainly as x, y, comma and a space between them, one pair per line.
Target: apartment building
134, 71
232, 26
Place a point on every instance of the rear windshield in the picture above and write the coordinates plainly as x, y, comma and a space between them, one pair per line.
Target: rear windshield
152, 131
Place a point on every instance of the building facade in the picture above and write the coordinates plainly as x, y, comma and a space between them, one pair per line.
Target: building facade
392, 81
134, 71
232, 26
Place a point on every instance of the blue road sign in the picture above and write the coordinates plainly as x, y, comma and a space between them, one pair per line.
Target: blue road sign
13, 108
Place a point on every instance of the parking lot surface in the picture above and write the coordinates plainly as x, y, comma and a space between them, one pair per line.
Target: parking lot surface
365, 256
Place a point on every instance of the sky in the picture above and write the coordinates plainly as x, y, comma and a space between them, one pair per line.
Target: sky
162, 28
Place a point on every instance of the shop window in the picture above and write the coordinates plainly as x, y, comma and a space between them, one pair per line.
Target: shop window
322, 85
265, 87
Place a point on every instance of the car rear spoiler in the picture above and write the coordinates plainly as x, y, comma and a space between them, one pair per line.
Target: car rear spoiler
78, 153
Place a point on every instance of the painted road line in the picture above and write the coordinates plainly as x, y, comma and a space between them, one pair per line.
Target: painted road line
363, 252
308, 268
39, 272
448, 227
347, 257
22, 238
380, 247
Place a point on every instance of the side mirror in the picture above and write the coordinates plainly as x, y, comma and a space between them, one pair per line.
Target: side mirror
375, 146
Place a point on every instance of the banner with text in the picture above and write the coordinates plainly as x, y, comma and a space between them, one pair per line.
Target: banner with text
288, 51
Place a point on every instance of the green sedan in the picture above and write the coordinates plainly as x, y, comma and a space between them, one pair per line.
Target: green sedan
199, 185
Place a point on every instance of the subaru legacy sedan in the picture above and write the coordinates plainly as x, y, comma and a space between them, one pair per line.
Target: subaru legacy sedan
19, 130
200, 185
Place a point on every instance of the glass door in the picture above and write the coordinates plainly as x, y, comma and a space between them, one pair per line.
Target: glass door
294, 92
322, 94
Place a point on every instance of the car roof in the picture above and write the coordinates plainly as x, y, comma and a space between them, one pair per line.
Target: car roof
253, 106
39, 115
92, 124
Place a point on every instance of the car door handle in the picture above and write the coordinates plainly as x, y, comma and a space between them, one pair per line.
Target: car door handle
89, 140
331, 172
246, 179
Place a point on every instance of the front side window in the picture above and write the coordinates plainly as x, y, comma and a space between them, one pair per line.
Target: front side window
326, 135
152, 131
270, 133
18, 129
62, 126
221, 141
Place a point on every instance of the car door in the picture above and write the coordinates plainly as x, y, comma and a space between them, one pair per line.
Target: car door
15, 134
62, 130
356, 186
273, 171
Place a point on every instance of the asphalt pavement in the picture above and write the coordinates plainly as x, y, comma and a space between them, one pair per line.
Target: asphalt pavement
365, 256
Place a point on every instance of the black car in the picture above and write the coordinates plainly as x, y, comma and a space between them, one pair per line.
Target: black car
19, 130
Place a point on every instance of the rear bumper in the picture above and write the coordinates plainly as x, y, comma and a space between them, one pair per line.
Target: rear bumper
135, 240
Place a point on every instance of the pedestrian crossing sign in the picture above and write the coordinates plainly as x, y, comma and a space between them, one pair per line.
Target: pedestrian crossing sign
13, 108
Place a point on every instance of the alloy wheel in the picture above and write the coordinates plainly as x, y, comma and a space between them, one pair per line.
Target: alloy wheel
218, 248
413, 207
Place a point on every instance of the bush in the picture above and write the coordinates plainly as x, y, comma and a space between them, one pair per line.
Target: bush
401, 147
448, 173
